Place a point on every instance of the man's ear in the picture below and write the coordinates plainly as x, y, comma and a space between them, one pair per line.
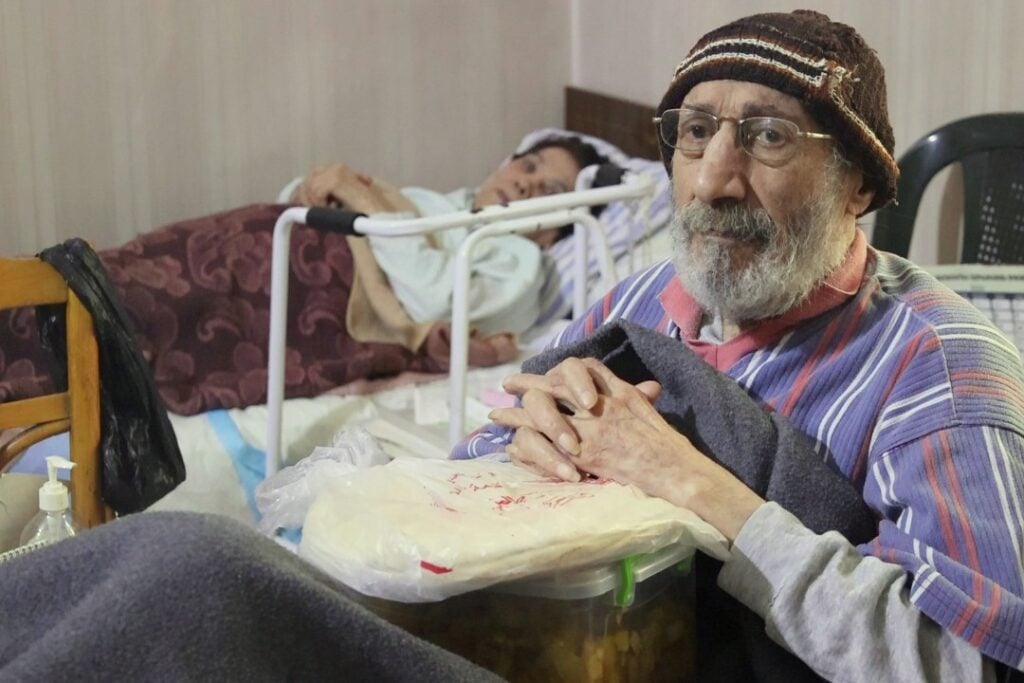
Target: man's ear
860, 193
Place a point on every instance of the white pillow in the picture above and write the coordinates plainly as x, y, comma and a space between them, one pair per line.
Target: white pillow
622, 223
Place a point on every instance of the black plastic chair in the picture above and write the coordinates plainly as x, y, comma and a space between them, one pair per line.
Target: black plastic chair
990, 149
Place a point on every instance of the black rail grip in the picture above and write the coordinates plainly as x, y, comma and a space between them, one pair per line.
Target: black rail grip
334, 220
608, 174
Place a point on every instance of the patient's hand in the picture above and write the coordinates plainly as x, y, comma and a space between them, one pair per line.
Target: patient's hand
338, 186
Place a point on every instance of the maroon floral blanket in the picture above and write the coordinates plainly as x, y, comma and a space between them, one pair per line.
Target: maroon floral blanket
198, 293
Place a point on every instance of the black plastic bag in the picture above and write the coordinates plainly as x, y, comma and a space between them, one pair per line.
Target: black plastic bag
141, 459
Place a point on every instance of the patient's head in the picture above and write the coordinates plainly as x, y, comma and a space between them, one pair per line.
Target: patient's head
548, 167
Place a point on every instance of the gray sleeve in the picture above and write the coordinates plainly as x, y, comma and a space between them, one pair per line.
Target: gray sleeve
847, 616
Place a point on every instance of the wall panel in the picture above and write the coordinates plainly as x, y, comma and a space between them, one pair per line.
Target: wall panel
119, 115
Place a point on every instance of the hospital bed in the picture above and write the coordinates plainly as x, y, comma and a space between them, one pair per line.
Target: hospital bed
225, 448
413, 413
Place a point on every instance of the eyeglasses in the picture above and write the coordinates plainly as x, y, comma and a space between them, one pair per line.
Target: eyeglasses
770, 140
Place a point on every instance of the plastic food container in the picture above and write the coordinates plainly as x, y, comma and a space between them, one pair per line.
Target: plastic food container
631, 620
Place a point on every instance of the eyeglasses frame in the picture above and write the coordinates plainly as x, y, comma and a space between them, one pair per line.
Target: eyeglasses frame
739, 129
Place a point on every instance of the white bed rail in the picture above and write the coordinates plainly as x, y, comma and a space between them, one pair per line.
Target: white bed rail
516, 217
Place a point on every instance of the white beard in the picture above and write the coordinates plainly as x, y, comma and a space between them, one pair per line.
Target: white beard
789, 262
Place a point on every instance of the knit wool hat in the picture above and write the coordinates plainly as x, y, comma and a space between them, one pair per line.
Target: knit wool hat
824, 64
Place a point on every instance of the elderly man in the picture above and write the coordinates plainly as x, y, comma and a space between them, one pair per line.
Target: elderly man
776, 134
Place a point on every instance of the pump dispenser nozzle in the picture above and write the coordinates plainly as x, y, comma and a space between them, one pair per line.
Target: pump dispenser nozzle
53, 495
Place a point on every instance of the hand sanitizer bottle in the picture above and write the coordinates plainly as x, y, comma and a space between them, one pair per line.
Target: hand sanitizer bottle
53, 521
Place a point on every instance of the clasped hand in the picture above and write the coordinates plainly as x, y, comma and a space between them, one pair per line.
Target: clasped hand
579, 418
338, 186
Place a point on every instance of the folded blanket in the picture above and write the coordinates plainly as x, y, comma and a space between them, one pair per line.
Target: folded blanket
187, 597
374, 313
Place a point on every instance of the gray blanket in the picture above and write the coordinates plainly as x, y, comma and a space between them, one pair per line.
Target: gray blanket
762, 449
188, 597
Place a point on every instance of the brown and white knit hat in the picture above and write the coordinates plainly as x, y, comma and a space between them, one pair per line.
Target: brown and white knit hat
824, 64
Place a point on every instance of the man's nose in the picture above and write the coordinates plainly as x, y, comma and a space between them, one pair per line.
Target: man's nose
722, 169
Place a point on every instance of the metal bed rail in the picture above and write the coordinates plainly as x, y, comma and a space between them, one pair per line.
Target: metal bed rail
515, 217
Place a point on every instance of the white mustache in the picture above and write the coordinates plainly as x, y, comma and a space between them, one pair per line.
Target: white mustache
735, 221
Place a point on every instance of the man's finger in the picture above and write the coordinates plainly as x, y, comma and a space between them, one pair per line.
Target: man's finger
533, 451
570, 381
612, 385
520, 382
552, 385
549, 420
651, 389
511, 417
577, 377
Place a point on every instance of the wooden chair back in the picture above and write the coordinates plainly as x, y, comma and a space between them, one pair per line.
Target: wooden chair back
31, 282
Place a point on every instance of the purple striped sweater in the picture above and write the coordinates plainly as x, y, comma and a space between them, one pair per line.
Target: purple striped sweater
919, 401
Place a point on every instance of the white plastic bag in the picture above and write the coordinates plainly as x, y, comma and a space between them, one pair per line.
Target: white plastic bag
421, 530
284, 498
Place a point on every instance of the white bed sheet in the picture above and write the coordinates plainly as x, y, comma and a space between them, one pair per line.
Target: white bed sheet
224, 451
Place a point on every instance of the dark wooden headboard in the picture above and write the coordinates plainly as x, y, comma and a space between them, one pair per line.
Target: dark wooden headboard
625, 124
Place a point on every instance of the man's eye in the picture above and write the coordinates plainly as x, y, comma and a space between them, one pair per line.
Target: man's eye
695, 131
768, 134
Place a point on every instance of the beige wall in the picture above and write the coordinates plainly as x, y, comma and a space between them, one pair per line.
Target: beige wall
945, 59
119, 115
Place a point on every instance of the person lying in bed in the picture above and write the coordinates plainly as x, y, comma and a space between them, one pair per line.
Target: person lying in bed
198, 292
420, 269
548, 167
